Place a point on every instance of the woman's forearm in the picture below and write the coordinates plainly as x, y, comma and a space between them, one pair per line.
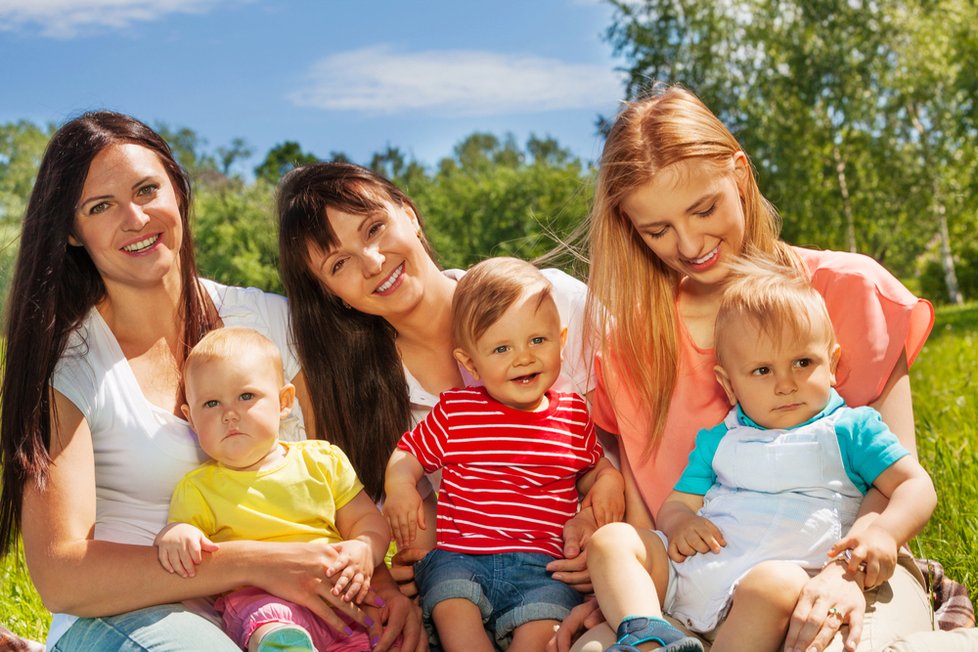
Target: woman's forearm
109, 578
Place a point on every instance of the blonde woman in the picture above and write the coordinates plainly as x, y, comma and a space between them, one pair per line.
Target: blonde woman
676, 199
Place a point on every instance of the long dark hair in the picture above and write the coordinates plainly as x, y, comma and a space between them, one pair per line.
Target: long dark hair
356, 381
55, 285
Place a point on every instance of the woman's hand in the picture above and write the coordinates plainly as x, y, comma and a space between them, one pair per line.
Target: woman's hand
399, 616
572, 569
828, 601
297, 572
581, 618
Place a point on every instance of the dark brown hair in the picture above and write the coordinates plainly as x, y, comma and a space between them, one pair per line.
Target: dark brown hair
55, 285
353, 370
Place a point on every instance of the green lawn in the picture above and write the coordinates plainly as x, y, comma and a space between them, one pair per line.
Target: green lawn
945, 379
946, 409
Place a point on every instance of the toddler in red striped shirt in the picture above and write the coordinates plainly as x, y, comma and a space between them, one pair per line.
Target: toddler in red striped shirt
513, 454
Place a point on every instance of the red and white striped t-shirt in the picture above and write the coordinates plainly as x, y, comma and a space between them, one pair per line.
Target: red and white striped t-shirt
508, 476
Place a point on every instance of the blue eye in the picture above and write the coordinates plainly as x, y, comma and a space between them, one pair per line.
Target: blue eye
246, 396
211, 403
502, 348
538, 340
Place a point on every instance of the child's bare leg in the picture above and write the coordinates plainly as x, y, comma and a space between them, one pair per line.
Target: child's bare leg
762, 605
630, 571
459, 625
532, 636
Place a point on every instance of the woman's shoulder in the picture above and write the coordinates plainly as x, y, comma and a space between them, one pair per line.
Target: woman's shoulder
845, 274
251, 307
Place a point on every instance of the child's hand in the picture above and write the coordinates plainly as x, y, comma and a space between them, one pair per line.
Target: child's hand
355, 566
873, 551
696, 534
404, 511
179, 546
607, 497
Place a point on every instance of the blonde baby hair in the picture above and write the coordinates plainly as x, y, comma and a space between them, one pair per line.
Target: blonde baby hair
487, 290
778, 301
231, 342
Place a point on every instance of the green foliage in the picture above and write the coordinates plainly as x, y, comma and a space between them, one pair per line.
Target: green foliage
493, 198
946, 412
20, 606
859, 116
282, 158
235, 234
932, 282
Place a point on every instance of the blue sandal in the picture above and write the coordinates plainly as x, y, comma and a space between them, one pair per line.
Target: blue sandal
638, 629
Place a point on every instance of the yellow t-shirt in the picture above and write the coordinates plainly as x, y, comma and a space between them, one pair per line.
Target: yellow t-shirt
294, 501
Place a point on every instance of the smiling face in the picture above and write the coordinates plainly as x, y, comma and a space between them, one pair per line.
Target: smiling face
691, 216
379, 265
779, 384
518, 357
235, 405
128, 218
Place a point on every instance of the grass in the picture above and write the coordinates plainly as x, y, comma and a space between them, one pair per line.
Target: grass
946, 411
20, 606
946, 408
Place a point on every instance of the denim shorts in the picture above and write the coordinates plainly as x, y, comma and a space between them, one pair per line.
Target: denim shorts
510, 589
164, 628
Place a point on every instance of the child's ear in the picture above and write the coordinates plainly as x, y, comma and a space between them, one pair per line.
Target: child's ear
186, 415
724, 381
286, 397
563, 338
835, 356
465, 360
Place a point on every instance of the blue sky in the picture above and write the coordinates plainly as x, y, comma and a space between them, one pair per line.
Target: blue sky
334, 75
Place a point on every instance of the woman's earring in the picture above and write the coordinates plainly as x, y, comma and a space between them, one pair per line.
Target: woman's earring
419, 233
347, 306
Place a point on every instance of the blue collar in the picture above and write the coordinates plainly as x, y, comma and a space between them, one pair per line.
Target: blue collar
835, 402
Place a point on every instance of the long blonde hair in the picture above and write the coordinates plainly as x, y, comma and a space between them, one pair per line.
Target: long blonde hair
631, 306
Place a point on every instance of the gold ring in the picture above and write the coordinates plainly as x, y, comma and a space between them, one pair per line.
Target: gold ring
834, 611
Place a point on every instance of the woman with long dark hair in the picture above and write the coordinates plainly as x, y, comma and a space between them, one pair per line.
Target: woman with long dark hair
371, 315
104, 306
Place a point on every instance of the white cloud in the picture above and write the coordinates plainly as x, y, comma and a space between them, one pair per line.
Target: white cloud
70, 18
453, 82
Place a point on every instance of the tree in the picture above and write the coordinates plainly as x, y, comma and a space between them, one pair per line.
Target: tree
21, 148
817, 92
188, 148
487, 200
238, 150
282, 158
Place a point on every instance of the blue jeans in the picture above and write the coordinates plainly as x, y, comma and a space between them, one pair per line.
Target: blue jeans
164, 628
510, 589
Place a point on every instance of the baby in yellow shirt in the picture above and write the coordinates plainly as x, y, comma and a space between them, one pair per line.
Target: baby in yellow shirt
257, 487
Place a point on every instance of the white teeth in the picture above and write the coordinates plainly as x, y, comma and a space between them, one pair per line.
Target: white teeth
389, 283
700, 261
142, 244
